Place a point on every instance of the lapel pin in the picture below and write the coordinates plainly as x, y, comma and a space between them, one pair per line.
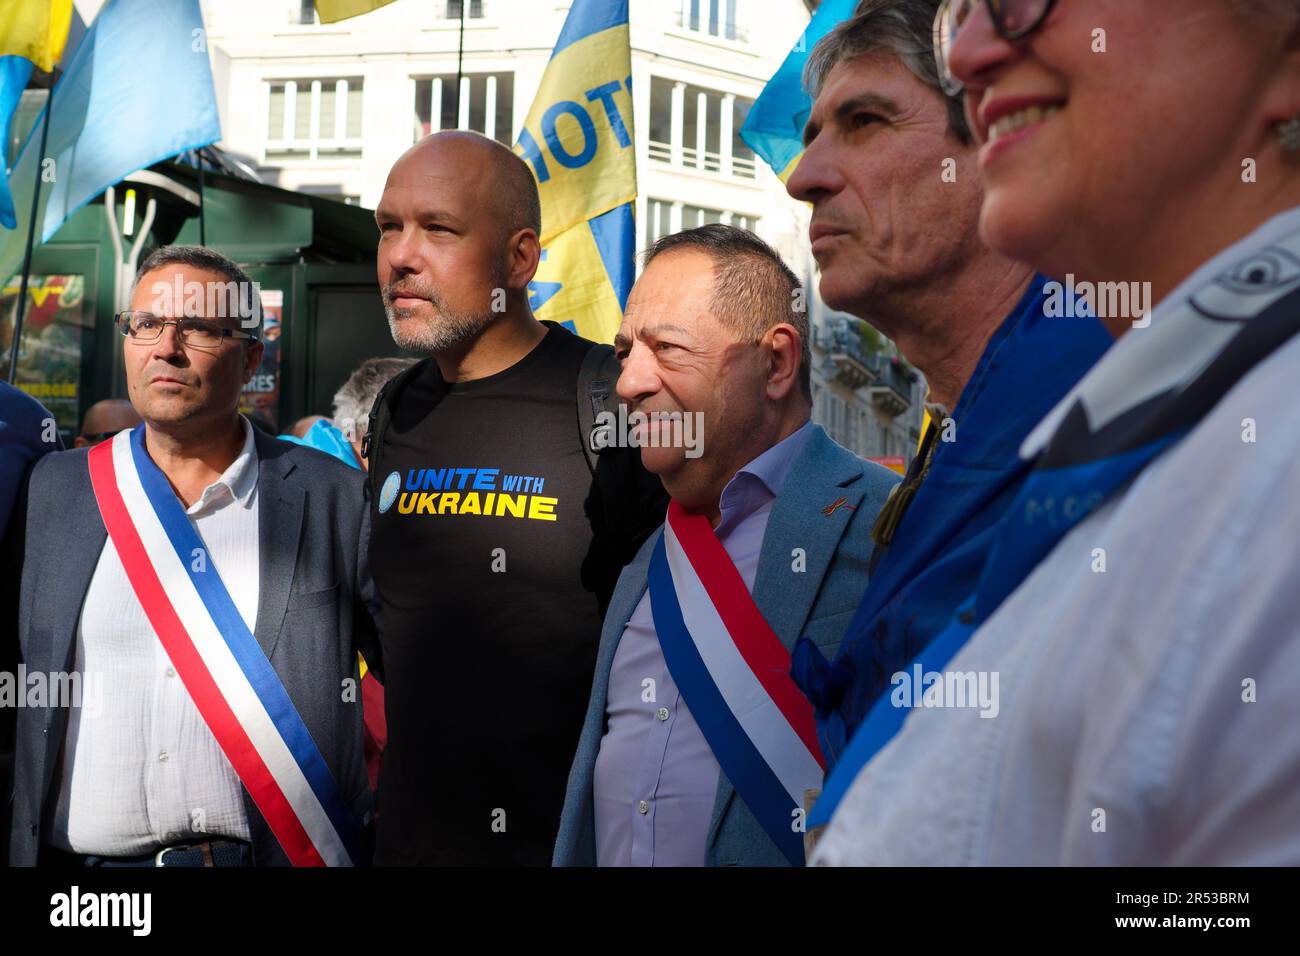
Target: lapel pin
830, 509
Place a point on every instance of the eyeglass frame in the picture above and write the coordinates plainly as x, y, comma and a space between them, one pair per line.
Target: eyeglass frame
947, 82
123, 322
98, 437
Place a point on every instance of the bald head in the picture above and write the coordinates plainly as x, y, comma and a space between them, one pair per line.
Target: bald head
502, 181
105, 418
458, 241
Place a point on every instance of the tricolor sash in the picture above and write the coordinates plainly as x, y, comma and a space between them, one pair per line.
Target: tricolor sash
228, 676
734, 673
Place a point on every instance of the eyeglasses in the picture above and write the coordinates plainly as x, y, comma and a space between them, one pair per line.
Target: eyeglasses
1012, 19
98, 437
146, 327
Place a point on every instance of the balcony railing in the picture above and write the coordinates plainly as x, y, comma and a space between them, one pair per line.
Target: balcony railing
691, 157
892, 391
740, 166
888, 382
851, 362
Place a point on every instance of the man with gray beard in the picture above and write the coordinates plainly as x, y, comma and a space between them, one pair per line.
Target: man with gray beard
496, 541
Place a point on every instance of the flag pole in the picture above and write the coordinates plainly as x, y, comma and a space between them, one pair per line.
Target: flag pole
203, 231
460, 57
16, 338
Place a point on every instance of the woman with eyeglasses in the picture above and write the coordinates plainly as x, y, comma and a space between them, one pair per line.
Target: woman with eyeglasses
1122, 688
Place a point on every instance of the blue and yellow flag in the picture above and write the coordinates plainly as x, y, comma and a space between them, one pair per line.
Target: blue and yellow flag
32, 32
115, 111
578, 140
774, 129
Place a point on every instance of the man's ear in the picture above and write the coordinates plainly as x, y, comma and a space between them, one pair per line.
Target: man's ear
252, 359
785, 346
1282, 99
523, 253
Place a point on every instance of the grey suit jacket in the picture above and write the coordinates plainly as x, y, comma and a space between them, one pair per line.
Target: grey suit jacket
315, 611
817, 601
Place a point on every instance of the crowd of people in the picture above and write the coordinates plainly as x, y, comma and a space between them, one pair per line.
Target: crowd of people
1067, 636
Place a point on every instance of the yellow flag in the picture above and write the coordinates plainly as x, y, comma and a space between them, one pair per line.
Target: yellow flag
331, 11
35, 30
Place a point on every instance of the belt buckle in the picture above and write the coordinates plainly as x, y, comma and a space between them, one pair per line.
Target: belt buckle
158, 857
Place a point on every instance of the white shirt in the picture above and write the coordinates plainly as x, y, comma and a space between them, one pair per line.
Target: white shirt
139, 768
1148, 713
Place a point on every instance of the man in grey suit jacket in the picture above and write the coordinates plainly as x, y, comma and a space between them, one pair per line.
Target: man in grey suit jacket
712, 329
286, 528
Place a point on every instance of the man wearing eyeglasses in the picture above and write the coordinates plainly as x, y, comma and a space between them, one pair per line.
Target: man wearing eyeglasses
204, 587
891, 171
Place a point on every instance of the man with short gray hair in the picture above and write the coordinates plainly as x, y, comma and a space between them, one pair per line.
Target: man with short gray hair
891, 172
214, 581
688, 755
342, 435
353, 401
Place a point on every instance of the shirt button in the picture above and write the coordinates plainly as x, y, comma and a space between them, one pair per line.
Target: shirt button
663, 713
643, 807
164, 756
171, 672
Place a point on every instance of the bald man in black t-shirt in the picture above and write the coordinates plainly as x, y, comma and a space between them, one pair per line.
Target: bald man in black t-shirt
493, 550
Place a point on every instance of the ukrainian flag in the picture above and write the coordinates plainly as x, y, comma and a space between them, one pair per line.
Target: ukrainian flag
114, 111
578, 140
774, 129
33, 31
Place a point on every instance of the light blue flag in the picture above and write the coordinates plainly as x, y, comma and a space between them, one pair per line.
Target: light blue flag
14, 72
774, 129
137, 91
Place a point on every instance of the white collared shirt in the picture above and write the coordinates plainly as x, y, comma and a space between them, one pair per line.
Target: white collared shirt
139, 767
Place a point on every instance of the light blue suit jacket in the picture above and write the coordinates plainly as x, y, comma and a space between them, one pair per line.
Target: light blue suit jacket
818, 601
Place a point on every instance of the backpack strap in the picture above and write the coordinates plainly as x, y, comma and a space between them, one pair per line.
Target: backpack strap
595, 394
381, 412
596, 380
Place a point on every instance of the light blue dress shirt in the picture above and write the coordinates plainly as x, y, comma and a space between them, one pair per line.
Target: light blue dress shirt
656, 777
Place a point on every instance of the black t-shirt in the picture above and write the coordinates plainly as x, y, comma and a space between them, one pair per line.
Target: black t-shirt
480, 533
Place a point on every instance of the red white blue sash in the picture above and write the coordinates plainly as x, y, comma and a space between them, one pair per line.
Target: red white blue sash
734, 673
234, 686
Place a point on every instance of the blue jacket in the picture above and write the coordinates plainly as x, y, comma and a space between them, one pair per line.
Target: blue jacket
942, 543
818, 603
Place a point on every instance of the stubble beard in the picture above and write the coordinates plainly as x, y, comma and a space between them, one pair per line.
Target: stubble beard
444, 329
